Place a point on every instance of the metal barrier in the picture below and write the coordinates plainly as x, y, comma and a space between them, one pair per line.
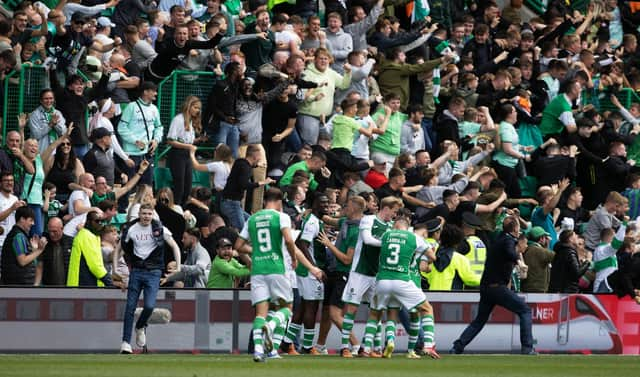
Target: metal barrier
172, 91
22, 94
626, 96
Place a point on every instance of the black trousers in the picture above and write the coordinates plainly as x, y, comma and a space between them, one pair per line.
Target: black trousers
510, 178
179, 163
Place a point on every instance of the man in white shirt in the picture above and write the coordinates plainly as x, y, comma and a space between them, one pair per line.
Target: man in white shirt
8, 205
80, 204
143, 244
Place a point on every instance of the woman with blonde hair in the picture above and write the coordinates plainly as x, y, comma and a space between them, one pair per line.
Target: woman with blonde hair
181, 136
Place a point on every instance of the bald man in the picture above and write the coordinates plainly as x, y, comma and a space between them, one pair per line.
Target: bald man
54, 260
80, 204
12, 155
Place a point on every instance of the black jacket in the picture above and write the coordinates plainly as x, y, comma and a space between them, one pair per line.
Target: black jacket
616, 170
626, 278
74, 107
501, 258
51, 262
12, 272
566, 270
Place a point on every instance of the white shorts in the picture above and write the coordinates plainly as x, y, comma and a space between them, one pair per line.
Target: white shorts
396, 293
360, 288
293, 278
274, 287
310, 288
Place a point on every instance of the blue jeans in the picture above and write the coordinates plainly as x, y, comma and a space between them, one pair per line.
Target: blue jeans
491, 296
235, 214
147, 281
229, 134
403, 316
147, 177
38, 221
429, 133
294, 142
80, 150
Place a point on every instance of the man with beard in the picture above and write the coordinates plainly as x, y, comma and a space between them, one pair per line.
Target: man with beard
195, 270
538, 258
86, 268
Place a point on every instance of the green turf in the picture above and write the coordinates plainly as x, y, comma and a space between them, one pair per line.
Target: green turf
325, 366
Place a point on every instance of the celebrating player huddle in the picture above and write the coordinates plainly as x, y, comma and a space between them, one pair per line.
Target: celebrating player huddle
382, 256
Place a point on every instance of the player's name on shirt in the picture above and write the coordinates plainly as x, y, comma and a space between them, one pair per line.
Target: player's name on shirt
402, 241
263, 258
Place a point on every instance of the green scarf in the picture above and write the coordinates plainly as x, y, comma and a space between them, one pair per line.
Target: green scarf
18, 167
48, 114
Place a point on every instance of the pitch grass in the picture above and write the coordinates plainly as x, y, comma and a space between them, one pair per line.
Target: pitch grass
171, 365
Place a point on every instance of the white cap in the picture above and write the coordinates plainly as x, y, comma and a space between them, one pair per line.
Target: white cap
104, 22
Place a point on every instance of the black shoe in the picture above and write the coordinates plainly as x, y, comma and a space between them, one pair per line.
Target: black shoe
529, 352
455, 351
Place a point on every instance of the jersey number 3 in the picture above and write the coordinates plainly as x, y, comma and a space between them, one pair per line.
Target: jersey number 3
394, 255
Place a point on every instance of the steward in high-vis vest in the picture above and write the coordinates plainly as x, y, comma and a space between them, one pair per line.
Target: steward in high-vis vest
451, 270
434, 228
473, 247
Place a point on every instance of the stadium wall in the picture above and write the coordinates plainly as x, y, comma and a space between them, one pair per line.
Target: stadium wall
219, 321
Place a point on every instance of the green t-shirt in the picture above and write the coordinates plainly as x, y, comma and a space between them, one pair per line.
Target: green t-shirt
97, 199
551, 123
32, 187
398, 255
389, 142
345, 131
508, 134
468, 128
264, 231
365, 258
350, 240
311, 228
291, 170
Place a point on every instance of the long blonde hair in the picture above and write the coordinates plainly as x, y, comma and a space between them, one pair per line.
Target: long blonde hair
186, 112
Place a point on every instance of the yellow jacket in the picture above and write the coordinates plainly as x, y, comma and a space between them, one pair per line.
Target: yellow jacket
457, 272
86, 267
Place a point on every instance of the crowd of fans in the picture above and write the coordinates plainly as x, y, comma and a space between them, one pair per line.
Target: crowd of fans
466, 112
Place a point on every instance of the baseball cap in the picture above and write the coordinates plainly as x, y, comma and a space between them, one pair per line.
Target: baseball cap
433, 225
537, 232
105, 22
99, 133
378, 160
222, 242
471, 220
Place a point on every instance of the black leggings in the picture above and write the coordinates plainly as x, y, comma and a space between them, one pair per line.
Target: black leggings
510, 178
179, 163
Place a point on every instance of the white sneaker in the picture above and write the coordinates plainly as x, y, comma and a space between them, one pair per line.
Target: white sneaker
125, 348
141, 337
274, 355
322, 349
267, 338
259, 357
